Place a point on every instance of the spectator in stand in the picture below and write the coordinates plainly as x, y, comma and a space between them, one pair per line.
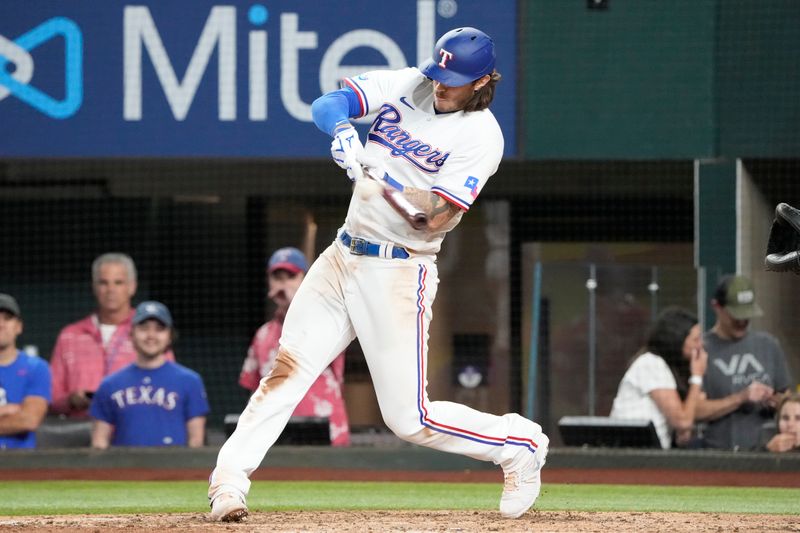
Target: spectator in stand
663, 383
92, 348
788, 421
285, 272
747, 371
24, 383
153, 401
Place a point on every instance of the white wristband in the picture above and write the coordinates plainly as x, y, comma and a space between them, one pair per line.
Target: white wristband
696, 380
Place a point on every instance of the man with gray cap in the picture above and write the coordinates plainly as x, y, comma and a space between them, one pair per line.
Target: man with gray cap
24, 383
153, 401
747, 373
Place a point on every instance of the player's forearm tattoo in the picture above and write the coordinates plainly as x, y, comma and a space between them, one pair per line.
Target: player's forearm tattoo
439, 210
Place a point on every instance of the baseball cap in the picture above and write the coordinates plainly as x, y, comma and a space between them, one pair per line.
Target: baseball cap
8, 303
287, 258
151, 309
737, 295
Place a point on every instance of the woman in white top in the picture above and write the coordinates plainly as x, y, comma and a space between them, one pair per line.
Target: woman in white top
664, 381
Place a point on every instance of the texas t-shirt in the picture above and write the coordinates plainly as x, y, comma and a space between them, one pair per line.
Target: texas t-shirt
150, 407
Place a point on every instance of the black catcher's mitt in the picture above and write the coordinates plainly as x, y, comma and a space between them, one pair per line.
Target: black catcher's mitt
783, 248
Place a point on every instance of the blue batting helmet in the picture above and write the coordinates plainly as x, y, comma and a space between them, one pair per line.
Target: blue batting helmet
460, 56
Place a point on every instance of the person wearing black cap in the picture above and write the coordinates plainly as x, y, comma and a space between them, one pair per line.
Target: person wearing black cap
286, 269
663, 382
153, 401
24, 383
747, 371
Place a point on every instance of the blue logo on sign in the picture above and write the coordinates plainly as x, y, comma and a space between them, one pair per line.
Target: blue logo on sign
17, 82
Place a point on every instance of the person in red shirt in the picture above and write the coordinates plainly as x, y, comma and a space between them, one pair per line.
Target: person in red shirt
285, 271
88, 350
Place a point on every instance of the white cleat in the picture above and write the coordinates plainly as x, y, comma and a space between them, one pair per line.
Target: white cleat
523, 482
228, 507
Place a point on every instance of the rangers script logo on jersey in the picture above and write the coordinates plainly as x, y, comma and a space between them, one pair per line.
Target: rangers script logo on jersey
386, 132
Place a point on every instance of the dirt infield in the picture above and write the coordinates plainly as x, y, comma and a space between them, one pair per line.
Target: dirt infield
380, 521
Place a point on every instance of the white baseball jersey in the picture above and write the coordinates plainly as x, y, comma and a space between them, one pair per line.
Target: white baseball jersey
450, 154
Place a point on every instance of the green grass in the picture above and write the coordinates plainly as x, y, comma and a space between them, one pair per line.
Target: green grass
117, 497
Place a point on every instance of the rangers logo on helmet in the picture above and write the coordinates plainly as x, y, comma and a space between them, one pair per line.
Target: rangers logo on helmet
446, 56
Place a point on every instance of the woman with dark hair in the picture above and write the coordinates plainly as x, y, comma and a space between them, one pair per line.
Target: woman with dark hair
664, 381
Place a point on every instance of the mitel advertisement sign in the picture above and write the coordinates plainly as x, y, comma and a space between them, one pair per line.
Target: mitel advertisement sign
170, 78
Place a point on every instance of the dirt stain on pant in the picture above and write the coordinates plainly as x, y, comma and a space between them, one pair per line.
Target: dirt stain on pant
285, 366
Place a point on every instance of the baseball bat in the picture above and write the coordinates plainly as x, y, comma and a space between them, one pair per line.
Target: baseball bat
411, 213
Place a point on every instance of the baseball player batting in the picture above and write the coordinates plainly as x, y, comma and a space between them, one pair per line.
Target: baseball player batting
434, 139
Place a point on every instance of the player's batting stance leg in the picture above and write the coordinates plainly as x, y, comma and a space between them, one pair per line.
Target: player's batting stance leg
316, 330
395, 342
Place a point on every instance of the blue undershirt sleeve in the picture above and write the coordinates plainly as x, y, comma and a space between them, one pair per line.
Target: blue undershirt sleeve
335, 108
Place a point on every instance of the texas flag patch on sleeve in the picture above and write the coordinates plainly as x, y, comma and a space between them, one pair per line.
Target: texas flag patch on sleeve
472, 185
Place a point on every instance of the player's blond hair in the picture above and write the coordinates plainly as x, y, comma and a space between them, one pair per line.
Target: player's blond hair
483, 96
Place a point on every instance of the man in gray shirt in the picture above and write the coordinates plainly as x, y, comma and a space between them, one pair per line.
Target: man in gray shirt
747, 373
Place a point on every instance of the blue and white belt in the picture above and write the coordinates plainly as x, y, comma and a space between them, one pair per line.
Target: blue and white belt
362, 247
